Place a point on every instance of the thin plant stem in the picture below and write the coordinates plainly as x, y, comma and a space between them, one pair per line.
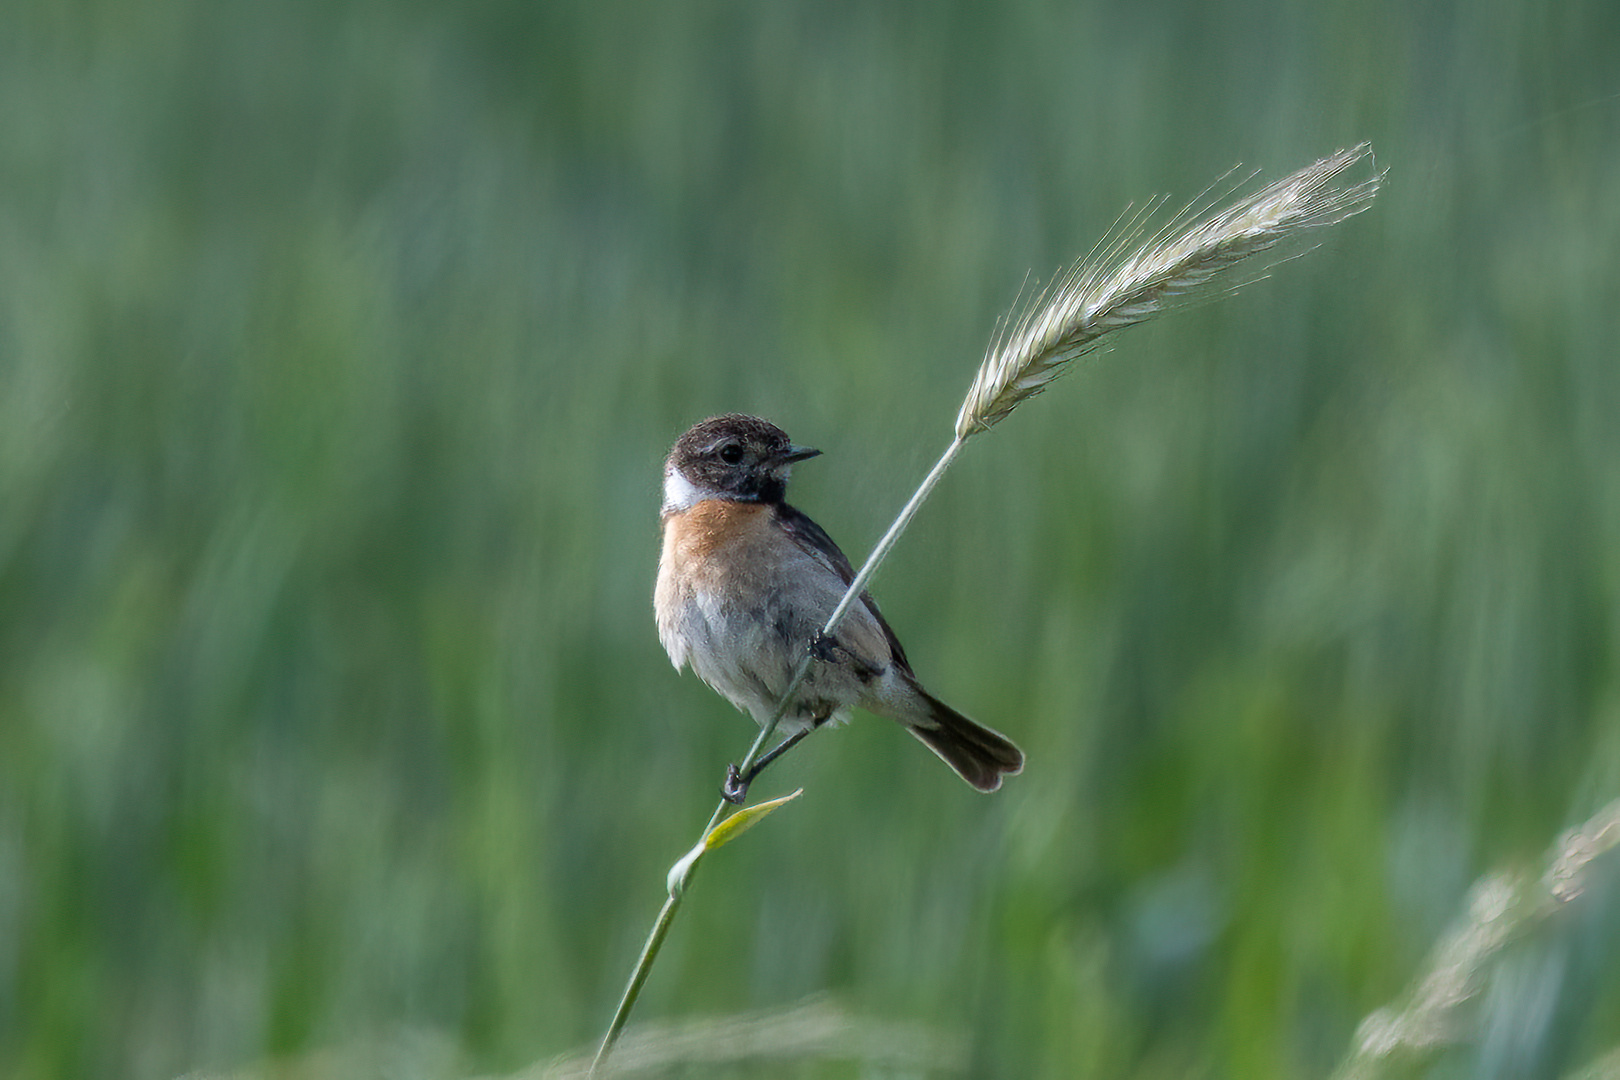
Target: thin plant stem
680, 875
638, 977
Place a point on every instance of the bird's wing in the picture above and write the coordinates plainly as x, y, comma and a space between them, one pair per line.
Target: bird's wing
814, 541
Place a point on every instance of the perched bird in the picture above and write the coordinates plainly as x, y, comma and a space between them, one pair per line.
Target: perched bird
745, 584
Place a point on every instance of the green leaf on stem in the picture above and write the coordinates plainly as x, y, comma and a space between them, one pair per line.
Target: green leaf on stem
743, 820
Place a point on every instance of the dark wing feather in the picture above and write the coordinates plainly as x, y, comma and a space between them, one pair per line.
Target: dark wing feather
815, 541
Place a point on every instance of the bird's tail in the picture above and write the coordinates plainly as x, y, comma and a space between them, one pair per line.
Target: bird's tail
979, 756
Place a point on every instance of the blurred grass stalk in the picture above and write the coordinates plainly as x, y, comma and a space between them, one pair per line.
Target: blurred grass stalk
1106, 291
814, 1030
1501, 909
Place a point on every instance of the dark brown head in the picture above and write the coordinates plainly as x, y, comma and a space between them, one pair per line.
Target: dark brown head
730, 457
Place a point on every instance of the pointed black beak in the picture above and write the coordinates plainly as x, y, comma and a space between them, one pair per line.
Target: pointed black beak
797, 453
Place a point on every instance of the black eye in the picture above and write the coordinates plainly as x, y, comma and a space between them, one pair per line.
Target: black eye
731, 453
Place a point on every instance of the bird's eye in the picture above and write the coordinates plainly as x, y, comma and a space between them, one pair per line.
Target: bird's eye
731, 453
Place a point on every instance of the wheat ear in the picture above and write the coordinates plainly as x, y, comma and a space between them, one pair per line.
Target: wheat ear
1108, 290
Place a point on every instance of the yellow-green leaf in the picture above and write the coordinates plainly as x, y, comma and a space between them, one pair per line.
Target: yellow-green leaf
743, 820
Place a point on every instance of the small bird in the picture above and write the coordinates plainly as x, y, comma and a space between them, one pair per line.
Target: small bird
745, 585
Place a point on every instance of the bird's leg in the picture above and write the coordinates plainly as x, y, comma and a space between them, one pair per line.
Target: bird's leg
735, 789
827, 650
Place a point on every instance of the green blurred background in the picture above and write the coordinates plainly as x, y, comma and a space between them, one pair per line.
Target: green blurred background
340, 346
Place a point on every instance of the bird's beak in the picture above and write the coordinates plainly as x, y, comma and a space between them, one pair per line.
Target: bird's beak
798, 453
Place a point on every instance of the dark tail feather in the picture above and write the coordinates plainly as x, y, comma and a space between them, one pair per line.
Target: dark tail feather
979, 756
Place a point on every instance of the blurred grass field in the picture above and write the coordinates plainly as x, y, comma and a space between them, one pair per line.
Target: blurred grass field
340, 345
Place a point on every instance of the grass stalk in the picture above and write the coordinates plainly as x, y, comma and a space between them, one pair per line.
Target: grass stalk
1107, 291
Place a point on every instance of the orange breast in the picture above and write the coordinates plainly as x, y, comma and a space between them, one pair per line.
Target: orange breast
714, 543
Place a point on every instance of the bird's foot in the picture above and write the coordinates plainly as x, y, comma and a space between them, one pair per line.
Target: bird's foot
735, 789
826, 649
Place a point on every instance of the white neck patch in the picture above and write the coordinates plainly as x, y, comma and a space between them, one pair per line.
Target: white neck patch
679, 492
